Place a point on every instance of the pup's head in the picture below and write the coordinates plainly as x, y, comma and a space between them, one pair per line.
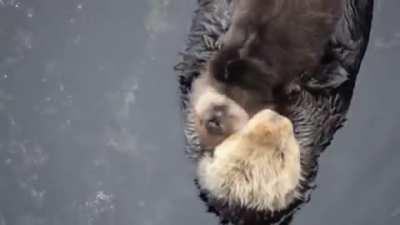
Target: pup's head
216, 116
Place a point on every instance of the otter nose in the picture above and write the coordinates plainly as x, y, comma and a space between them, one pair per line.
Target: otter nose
214, 124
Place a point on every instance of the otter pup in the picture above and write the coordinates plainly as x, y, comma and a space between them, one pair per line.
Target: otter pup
258, 166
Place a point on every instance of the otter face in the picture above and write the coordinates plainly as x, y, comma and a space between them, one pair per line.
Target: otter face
216, 116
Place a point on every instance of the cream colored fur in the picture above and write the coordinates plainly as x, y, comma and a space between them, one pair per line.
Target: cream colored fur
257, 167
207, 94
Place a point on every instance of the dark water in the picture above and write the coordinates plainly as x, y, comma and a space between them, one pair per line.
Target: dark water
91, 133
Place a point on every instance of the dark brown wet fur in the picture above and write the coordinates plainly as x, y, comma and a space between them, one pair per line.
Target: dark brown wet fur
316, 115
271, 44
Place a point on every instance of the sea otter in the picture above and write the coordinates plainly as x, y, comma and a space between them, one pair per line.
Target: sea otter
316, 114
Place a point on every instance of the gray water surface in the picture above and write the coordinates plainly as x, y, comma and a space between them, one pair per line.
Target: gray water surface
91, 131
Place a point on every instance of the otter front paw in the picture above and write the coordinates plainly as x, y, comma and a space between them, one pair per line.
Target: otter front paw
257, 167
210, 43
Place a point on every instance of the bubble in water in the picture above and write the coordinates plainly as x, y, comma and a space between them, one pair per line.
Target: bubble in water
29, 13
165, 2
13, 122
396, 212
77, 39
61, 87
8, 161
79, 6
141, 204
12, 3
27, 42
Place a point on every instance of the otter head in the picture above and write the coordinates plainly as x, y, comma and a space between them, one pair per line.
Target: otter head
216, 116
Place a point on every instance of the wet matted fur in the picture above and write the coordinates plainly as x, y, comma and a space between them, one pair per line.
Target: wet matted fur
316, 116
257, 167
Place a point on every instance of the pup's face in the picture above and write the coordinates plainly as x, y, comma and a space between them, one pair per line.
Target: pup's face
216, 116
